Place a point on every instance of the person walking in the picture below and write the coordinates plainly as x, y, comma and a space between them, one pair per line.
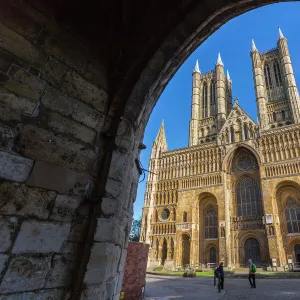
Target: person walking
252, 271
219, 273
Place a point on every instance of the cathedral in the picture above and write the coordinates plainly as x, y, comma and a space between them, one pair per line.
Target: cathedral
234, 192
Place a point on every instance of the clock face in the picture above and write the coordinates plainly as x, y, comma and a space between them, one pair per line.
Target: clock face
165, 214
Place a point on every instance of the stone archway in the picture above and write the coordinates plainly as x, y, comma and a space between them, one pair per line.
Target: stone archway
185, 250
297, 253
252, 251
74, 141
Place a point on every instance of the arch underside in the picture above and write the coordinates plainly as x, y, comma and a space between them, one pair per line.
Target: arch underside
90, 89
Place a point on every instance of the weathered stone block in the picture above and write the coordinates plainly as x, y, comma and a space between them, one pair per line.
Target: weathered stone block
62, 180
67, 126
67, 48
7, 135
20, 22
7, 229
34, 83
44, 145
97, 292
65, 207
123, 260
63, 271
70, 107
25, 274
109, 230
40, 237
8, 115
14, 167
3, 261
50, 294
113, 188
109, 206
76, 86
22, 200
20, 47
17, 101
103, 263
118, 166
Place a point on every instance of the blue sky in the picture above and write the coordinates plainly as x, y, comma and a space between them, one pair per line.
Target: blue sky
233, 40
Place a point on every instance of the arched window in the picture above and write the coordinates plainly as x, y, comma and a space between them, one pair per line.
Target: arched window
204, 101
211, 223
274, 116
248, 198
283, 115
277, 73
184, 217
292, 214
212, 98
246, 131
267, 76
232, 135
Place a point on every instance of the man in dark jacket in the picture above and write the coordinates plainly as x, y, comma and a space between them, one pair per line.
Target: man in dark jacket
219, 273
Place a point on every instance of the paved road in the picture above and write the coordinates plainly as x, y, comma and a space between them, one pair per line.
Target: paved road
179, 288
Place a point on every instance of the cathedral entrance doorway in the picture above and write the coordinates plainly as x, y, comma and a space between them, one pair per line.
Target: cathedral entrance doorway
297, 252
252, 251
212, 255
185, 249
164, 252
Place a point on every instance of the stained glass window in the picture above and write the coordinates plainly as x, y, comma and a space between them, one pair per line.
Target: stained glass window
211, 223
165, 214
292, 214
248, 198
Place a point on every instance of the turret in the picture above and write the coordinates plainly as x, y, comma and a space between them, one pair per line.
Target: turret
289, 78
257, 69
196, 108
159, 146
221, 93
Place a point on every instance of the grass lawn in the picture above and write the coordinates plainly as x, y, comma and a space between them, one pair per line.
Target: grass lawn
175, 273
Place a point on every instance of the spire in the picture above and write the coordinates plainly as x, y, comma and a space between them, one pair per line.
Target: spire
161, 131
219, 61
253, 46
228, 76
196, 69
281, 36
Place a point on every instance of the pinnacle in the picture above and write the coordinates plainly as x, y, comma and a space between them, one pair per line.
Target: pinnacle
281, 36
219, 61
228, 76
196, 69
253, 46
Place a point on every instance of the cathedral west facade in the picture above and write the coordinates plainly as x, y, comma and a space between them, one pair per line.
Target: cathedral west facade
234, 192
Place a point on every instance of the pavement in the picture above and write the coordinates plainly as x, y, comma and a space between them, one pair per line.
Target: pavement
160, 287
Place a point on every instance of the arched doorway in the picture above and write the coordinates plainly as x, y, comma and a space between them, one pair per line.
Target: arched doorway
212, 255
252, 250
186, 248
164, 252
297, 253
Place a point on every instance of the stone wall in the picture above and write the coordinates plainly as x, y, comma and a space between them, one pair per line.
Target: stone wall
135, 271
66, 186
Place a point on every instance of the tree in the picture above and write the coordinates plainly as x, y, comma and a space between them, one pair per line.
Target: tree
135, 230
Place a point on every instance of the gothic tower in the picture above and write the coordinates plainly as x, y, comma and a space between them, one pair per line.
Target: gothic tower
211, 103
159, 146
276, 92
